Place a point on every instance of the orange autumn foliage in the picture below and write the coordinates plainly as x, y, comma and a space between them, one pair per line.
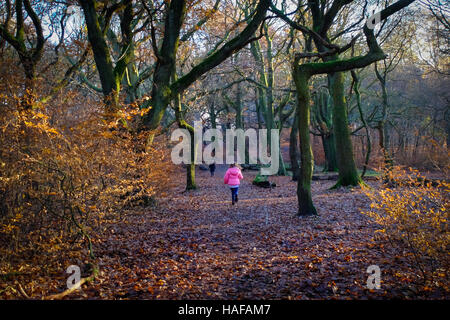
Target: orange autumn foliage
63, 168
413, 214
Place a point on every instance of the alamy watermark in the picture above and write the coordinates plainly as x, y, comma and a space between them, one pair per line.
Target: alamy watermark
214, 153
374, 19
374, 279
75, 276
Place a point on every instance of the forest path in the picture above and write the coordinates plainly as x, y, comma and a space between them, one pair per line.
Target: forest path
196, 245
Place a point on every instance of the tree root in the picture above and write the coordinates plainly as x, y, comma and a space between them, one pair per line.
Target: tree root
359, 183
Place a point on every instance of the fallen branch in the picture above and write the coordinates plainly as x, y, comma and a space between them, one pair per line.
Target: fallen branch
22, 291
75, 287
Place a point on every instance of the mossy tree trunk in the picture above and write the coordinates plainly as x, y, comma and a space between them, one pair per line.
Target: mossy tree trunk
110, 75
348, 173
131, 79
180, 118
294, 154
190, 168
305, 204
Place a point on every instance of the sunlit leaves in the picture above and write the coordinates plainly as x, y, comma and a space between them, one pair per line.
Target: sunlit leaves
415, 213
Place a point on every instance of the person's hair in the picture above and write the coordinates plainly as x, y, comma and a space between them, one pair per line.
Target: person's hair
232, 165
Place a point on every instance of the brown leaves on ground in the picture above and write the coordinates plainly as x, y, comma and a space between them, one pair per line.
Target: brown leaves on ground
196, 245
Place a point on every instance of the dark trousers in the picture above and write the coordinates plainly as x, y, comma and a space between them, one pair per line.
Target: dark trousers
234, 193
212, 168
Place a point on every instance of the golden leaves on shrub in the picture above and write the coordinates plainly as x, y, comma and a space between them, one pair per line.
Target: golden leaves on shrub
415, 213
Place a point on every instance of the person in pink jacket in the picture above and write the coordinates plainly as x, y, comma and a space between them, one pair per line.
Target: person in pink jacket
232, 178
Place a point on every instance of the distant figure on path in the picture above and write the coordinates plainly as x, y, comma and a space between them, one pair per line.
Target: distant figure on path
212, 168
232, 178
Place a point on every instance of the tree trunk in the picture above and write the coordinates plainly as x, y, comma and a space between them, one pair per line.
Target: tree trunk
282, 166
324, 115
102, 56
294, 150
382, 124
190, 168
348, 174
238, 107
29, 66
329, 148
305, 204
356, 84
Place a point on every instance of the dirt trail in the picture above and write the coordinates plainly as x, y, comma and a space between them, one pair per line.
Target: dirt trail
196, 245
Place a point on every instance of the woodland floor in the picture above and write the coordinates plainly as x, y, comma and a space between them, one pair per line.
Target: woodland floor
196, 245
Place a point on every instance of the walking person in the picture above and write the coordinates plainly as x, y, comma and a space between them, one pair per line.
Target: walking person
232, 179
212, 168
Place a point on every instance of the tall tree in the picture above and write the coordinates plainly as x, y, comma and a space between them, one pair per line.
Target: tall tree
29, 43
111, 74
163, 90
302, 73
29, 56
323, 123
